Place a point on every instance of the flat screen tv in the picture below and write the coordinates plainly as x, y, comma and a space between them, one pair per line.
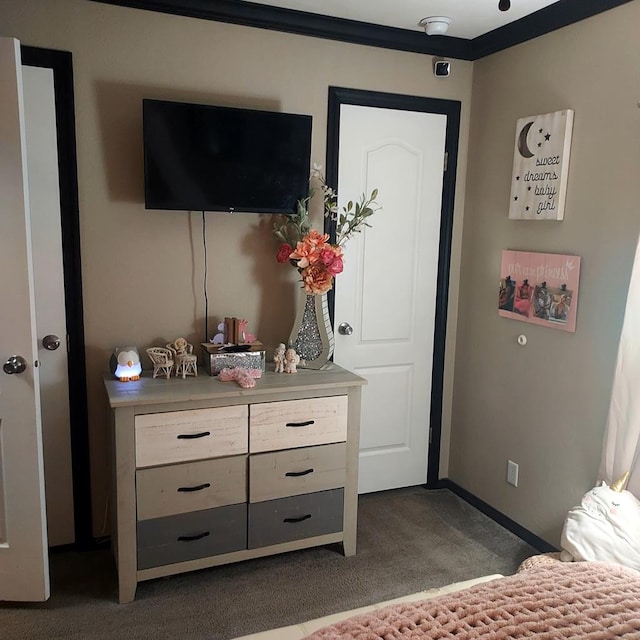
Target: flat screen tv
210, 158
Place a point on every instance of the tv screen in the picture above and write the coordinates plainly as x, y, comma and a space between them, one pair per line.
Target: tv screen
209, 158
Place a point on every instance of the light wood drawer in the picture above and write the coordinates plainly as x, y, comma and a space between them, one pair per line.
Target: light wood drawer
178, 436
190, 486
192, 535
287, 519
297, 423
297, 471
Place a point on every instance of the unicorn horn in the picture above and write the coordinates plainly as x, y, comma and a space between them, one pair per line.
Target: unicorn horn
619, 485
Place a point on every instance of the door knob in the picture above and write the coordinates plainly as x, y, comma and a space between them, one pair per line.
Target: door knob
51, 342
345, 329
14, 364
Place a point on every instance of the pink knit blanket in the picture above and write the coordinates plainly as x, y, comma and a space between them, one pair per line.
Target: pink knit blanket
549, 601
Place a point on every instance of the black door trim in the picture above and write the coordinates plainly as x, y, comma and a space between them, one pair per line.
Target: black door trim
451, 109
62, 65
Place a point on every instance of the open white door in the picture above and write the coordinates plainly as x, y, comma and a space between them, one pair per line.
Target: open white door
48, 273
387, 292
24, 565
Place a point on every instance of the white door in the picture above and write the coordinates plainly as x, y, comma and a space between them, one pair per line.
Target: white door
24, 568
387, 291
46, 241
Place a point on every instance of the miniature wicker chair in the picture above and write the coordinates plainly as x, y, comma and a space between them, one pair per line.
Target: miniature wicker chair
162, 361
186, 361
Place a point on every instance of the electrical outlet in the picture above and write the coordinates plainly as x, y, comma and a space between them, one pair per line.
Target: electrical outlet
512, 473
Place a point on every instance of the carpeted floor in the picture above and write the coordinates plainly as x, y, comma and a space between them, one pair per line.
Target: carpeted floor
408, 540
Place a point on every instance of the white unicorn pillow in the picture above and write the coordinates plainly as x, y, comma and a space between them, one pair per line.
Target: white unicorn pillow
605, 526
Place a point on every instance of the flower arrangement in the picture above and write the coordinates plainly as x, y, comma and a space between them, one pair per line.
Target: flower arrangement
318, 261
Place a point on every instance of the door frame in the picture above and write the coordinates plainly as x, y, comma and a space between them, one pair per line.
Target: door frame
61, 64
451, 109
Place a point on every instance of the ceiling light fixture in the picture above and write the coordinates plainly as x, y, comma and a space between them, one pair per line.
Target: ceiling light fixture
504, 5
436, 25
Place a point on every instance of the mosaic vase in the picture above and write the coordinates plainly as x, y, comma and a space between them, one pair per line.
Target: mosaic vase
312, 335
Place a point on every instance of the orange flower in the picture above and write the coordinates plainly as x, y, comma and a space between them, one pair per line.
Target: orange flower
317, 279
316, 238
308, 250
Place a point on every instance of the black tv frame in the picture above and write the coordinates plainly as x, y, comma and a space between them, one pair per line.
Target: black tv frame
242, 203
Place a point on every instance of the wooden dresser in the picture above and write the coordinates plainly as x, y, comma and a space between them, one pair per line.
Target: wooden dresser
206, 473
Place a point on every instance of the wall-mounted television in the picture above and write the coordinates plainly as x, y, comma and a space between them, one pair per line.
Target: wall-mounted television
212, 158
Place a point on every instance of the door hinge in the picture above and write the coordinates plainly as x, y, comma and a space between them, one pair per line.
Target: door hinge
446, 161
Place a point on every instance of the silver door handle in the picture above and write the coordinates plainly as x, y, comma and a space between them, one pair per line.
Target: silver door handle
51, 342
14, 364
345, 329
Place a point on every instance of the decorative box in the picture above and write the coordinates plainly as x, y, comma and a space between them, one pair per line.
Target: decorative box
215, 359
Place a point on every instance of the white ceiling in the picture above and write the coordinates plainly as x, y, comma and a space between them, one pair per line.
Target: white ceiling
471, 18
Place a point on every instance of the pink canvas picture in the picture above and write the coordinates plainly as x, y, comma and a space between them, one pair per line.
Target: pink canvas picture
541, 288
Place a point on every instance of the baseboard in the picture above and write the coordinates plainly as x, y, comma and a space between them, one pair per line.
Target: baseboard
511, 525
86, 545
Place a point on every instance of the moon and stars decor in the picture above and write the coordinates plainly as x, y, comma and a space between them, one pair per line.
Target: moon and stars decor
541, 166
540, 288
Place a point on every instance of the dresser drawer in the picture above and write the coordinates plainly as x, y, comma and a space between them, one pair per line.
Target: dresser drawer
295, 471
287, 519
179, 436
190, 486
193, 535
297, 423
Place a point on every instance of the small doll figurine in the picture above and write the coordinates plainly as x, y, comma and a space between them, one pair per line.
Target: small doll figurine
180, 345
292, 359
278, 358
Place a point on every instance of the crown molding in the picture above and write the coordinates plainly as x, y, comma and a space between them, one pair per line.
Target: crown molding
555, 16
550, 18
303, 23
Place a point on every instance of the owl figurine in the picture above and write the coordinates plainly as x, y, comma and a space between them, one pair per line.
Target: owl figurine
125, 364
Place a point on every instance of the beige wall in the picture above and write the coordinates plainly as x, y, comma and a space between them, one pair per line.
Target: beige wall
545, 405
142, 270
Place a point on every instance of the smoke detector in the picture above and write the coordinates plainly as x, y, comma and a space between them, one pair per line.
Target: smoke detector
436, 25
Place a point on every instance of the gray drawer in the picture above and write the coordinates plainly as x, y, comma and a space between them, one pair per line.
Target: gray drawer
296, 471
287, 519
192, 535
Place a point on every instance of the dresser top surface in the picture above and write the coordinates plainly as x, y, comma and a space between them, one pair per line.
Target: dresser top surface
148, 391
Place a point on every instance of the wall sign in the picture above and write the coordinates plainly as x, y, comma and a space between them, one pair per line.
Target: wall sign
541, 166
541, 288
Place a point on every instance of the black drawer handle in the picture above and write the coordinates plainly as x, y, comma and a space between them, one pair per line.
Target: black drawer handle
300, 519
191, 436
198, 536
297, 474
300, 424
200, 487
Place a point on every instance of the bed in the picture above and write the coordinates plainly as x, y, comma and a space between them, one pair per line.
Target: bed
546, 599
